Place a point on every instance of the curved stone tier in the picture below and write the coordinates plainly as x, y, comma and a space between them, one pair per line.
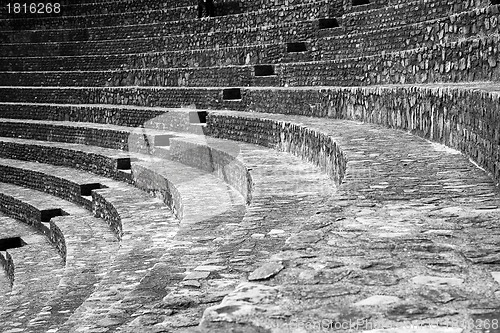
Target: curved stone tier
84, 242
439, 63
302, 11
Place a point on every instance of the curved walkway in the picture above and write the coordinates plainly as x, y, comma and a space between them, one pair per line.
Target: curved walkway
410, 235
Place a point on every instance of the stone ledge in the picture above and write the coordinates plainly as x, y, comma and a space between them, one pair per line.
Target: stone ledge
439, 63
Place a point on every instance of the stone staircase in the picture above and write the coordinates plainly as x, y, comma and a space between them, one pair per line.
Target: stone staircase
260, 171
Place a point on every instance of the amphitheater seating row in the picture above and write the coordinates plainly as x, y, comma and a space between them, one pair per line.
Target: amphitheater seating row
412, 66
385, 19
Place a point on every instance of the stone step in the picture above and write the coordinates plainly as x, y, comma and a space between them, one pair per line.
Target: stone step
298, 12
413, 35
147, 232
37, 271
14, 229
145, 229
331, 47
85, 243
109, 7
408, 65
250, 54
170, 97
301, 29
170, 181
132, 139
213, 254
82, 19
190, 120
397, 229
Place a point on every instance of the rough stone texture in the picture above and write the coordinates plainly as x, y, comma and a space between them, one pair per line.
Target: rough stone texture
386, 228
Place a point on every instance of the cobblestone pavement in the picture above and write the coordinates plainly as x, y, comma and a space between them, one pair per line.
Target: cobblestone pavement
411, 235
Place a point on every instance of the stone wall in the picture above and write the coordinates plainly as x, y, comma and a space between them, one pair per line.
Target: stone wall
42, 182
188, 15
88, 161
301, 141
105, 209
480, 22
222, 161
463, 118
164, 97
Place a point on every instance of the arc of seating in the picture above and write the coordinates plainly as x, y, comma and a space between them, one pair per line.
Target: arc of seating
185, 120
238, 55
165, 179
157, 43
182, 262
427, 33
70, 235
37, 271
134, 240
300, 28
84, 19
326, 48
304, 11
202, 98
391, 68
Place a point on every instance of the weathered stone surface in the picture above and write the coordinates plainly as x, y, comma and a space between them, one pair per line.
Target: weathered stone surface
378, 300
436, 281
266, 271
247, 300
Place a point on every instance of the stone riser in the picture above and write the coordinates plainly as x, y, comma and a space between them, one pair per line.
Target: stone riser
457, 129
468, 24
176, 120
202, 98
425, 65
96, 163
82, 20
406, 12
364, 44
159, 44
305, 11
78, 12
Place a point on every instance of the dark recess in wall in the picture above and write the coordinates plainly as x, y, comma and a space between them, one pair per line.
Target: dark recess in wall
264, 70
296, 47
231, 94
360, 2
11, 243
328, 23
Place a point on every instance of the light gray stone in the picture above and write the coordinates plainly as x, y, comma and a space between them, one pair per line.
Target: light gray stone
436, 281
378, 300
266, 271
